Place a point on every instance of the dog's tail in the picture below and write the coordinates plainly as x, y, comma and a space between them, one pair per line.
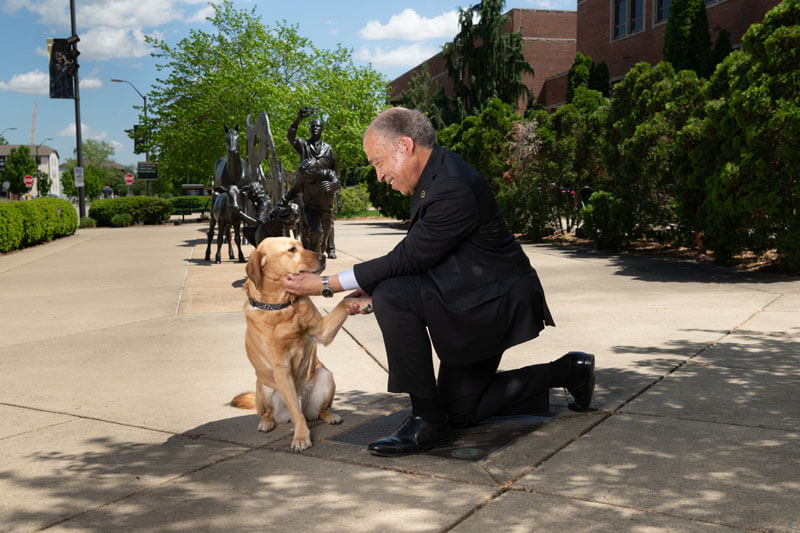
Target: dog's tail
245, 400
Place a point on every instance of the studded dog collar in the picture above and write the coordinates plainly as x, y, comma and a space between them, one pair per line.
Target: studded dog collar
270, 307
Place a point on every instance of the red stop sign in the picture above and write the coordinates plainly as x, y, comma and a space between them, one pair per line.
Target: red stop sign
128, 179
28, 181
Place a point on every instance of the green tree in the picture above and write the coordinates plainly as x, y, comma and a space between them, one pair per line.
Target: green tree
598, 81
482, 139
640, 153
43, 184
552, 157
98, 169
585, 73
3, 140
241, 67
484, 62
745, 157
425, 95
722, 47
19, 164
579, 74
687, 41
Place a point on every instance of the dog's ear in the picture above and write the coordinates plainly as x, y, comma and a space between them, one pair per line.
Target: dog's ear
253, 268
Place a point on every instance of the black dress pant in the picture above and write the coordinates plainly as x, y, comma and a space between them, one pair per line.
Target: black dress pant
466, 393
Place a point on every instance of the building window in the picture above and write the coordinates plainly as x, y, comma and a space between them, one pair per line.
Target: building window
662, 10
628, 17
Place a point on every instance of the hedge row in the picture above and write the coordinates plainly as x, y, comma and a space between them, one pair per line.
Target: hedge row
25, 223
144, 209
189, 202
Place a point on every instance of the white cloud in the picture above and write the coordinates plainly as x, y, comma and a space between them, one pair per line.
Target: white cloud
90, 83
35, 82
110, 43
116, 145
405, 56
410, 26
202, 15
107, 28
333, 27
86, 132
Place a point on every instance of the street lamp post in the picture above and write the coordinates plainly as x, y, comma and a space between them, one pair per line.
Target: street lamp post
5, 130
38, 169
144, 108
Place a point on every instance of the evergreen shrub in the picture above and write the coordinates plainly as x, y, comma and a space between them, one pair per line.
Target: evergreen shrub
25, 223
145, 209
604, 220
88, 222
355, 200
121, 220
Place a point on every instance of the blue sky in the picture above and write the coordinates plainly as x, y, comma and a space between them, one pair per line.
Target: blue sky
392, 37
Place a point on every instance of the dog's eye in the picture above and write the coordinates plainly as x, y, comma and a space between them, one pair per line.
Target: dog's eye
293, 249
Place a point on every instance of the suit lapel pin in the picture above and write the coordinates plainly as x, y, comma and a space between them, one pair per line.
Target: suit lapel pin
422, 194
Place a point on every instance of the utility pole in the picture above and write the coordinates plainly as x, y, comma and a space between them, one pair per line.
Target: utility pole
146, 140
73, 41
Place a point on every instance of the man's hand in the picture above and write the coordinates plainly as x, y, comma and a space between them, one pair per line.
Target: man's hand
303, 284
306, 111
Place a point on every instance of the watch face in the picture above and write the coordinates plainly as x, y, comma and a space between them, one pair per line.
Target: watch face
326, 290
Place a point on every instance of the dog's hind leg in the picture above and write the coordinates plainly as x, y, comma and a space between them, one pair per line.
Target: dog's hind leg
285, 385
264, 407
318, 397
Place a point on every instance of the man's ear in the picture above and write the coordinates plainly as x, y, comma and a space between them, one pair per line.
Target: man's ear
253, 268
408, 144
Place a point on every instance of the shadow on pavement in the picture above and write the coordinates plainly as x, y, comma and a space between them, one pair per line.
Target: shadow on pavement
667, 269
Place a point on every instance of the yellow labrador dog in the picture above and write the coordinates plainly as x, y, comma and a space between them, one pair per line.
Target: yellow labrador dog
281, 341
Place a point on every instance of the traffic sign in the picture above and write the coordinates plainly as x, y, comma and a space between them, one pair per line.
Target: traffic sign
128, 179
78, 174
147, 170
28, 181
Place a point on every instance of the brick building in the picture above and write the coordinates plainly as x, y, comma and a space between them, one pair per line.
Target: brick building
625, 32
549, 44
619, 32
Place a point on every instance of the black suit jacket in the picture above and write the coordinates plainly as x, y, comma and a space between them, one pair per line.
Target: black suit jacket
480, 293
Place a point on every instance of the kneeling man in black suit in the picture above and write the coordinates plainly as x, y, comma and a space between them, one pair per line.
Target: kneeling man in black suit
460, 277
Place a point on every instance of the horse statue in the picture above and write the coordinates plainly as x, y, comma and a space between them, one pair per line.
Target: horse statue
229, 173
224, 213
229, 169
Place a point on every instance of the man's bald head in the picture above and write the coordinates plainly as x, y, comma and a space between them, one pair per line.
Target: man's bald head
398, 122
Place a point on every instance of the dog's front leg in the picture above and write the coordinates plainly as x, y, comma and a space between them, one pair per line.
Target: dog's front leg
329, 325
284, 383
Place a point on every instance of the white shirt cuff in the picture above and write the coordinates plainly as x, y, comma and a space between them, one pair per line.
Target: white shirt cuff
347, 280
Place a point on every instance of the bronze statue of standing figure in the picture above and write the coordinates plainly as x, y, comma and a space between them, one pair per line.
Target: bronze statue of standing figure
318, 181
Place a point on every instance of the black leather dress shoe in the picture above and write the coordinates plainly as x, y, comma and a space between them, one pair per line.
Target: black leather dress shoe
413, 436
581, 380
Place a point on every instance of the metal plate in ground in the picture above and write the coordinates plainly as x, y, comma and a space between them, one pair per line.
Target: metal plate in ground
470, 444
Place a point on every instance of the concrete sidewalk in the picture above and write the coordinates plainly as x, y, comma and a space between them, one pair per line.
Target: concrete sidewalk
120, 349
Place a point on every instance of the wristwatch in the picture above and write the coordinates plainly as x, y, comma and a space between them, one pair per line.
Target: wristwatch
327, 292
